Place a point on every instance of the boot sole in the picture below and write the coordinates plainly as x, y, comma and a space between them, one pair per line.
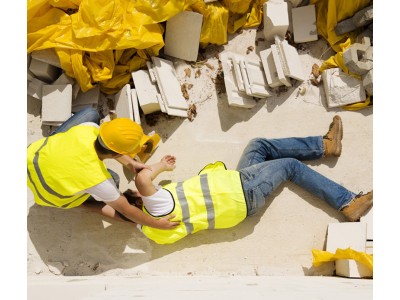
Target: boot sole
360, 211
338, 140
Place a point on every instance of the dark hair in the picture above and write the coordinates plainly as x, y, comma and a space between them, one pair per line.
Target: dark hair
100, 149
133, 198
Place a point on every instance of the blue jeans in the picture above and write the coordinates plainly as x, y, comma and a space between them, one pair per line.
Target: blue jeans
266, 163
87, 114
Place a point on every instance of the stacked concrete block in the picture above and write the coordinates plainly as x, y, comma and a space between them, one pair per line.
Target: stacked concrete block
341, 89
44, 71
182, 35
86, 99
146, 91
351, 235
278, 61
304, 24
276, 19
235, 96
56, 104
359, 19
254, 78
270, 70
358, 57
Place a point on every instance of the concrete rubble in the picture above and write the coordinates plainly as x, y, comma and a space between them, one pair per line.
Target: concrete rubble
248, 80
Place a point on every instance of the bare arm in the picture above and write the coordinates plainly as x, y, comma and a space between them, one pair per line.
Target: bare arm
144, 179
133, 165
138, 216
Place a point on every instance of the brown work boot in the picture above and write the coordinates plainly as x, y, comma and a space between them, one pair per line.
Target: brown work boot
358, 206
333, 138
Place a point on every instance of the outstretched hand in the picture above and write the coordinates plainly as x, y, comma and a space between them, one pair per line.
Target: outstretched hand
169, 162
166, 223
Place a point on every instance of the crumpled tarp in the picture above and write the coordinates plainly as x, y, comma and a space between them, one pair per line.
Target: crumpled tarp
320, 257
329, 13
103, 41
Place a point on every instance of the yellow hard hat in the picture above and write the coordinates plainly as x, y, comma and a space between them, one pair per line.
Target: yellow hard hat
121, 135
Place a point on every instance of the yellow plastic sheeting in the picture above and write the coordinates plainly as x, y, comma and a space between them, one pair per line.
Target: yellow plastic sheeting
320, 257
329, 13
237, 6
252, 17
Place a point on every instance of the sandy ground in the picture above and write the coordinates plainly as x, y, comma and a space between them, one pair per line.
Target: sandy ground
277, 241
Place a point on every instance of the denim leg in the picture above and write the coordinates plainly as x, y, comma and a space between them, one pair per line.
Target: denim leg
261, 179
87, 114
260, 149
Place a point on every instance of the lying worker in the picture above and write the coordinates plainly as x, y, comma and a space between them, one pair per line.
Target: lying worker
220, 198
66, 169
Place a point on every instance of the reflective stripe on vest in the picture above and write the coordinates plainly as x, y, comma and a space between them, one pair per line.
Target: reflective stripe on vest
208, 201
56, 172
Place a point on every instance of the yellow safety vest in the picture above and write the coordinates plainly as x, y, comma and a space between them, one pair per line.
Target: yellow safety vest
62, 165
213, 199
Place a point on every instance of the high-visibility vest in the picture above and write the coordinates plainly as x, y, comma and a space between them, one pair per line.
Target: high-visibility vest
214, 199
62, 165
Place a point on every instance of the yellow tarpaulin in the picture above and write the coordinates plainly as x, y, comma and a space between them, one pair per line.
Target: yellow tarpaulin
320, 257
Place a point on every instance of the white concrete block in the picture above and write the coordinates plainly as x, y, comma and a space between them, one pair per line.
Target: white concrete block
182, 35
235, 97
236, 58
369, 247
276, 19
304, 24
146, 91
279, 66
346, 235
291, 62
168, 83
35, 88
135, 106
44, 71
269, 68
123, 103
352, 269
368, 218
56, 103
151, 72
341, 88
177, 112
48, 56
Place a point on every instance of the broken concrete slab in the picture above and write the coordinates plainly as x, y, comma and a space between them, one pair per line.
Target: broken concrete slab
35, 88
56, 103
236, 58
177, 112
168, 83
146, 91
368, 82
341, 89
304, 24
235, 97
44, 71
254, 79
182, 35
359, 19
276, 19
270, 70
290, 60
135, 106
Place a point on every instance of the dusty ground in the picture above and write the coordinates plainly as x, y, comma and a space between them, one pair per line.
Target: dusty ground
277, 241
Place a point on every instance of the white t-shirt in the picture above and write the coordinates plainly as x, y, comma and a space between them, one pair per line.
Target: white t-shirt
106, 190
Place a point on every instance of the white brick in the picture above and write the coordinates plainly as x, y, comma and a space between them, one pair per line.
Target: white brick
48, 56
304, 24
135, 106
291, 62
346, 235
254, 79
352, 269
123, 103
341, 88
44, 71
276, 19
56, 103
279, 66
236, 58
35, 88
168, 83
146, 91
90, 97
182, 35
269, 68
